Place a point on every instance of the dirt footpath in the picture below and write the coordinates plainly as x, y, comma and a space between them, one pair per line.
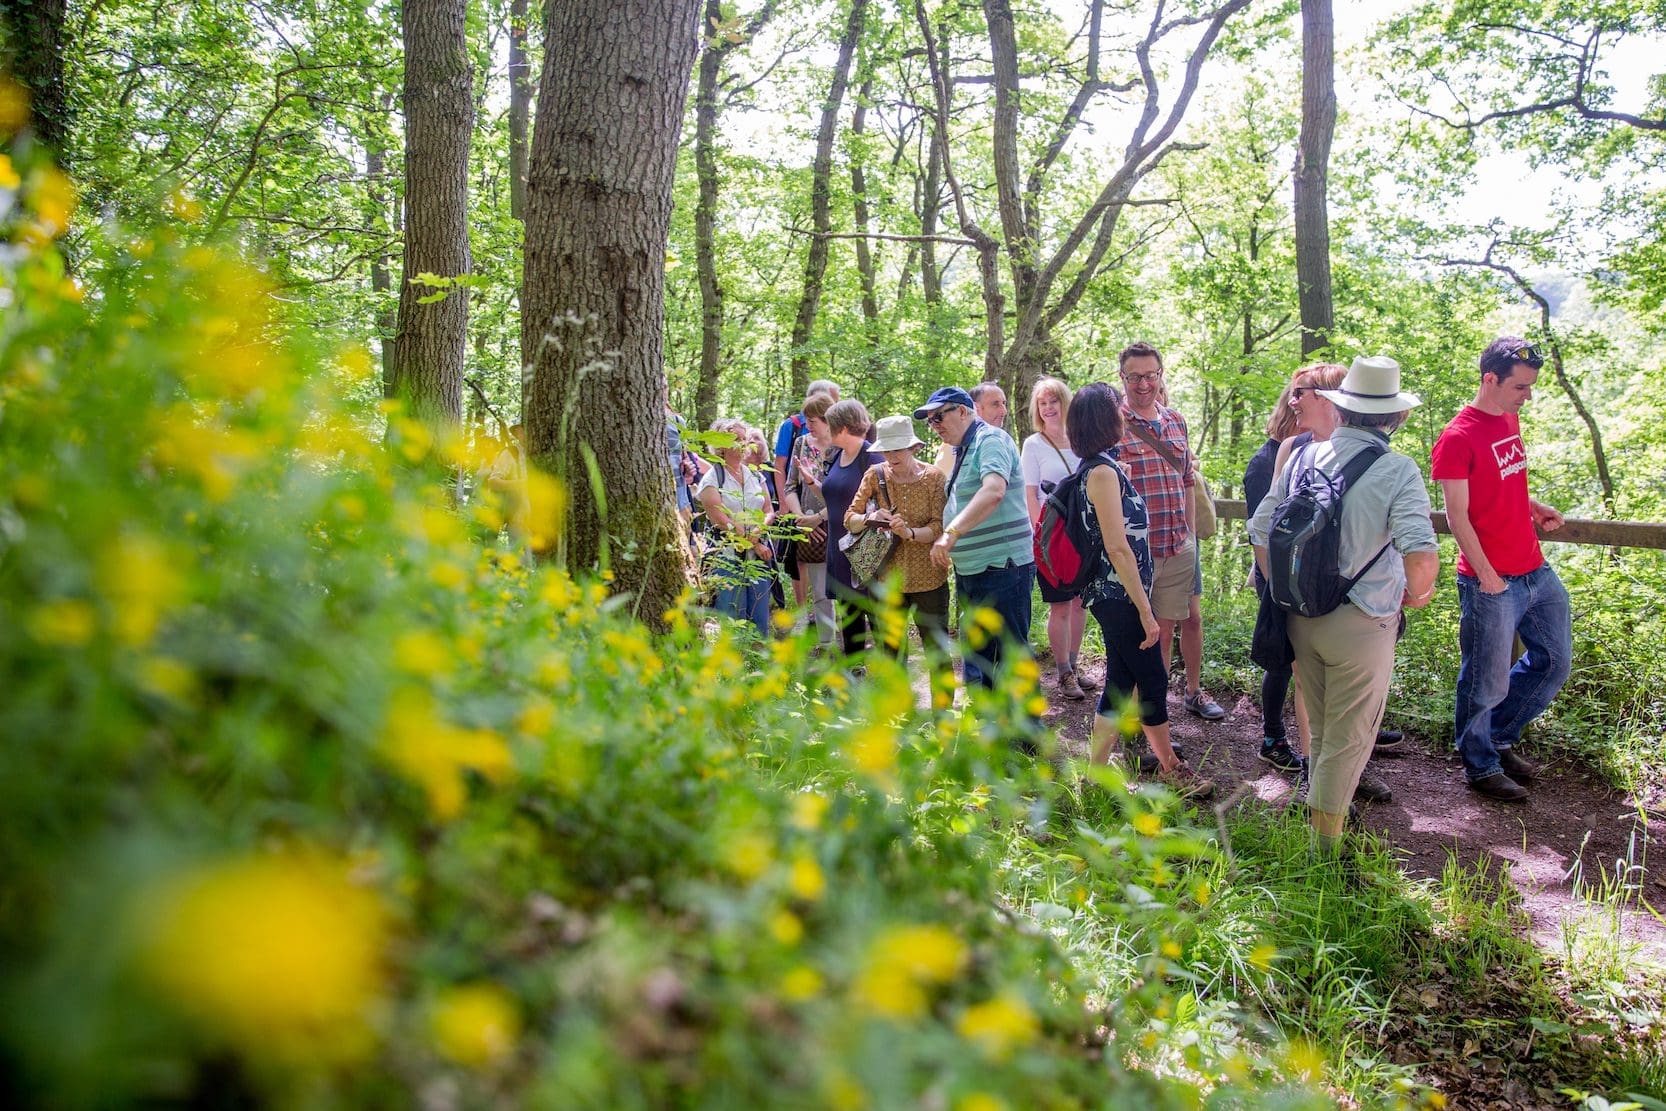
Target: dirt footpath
1572, 835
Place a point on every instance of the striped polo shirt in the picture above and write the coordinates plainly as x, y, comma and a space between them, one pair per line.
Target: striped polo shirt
1005, 534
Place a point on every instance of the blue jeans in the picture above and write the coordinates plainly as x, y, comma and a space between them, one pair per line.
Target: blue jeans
745, 601
1006, 590
1495, 700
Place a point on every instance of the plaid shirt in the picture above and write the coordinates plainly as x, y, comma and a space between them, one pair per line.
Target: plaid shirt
1163, 488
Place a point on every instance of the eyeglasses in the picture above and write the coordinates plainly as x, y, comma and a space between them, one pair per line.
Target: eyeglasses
1142, 379
1529, 355
1296, 394
937, 416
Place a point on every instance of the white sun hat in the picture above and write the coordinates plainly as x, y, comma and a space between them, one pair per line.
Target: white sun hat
1372, 385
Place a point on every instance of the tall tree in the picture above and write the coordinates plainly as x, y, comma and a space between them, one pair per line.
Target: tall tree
1312, 174
821, 198
1079, 244
520, 106
431, 338
37, 59
604, 150
721, 38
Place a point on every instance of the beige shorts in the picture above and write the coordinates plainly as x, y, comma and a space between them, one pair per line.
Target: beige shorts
1173, 583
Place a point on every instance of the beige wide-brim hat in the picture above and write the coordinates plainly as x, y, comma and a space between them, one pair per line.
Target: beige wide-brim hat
895, 434
1372, 385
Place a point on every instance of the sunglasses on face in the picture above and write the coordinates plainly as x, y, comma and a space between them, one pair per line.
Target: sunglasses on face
1529, 355
1296, 394
937, 417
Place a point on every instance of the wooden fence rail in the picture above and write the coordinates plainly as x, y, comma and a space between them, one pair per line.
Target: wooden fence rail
1607, 534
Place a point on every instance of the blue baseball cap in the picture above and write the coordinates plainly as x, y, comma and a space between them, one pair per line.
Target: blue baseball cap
948, 395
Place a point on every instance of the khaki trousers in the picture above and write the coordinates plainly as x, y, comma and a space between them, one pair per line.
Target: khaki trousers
1344, 661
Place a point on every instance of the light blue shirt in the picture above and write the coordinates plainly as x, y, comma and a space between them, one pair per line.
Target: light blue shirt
1388, 505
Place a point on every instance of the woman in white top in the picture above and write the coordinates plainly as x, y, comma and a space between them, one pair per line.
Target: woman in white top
737, 505
1047, 459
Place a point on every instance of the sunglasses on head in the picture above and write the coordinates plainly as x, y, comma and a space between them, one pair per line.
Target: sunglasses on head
1529, 355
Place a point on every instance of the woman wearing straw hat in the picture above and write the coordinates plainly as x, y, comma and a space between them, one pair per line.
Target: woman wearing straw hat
912, 509
1346, 657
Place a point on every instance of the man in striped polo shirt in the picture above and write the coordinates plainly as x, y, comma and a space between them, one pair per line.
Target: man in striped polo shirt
986, 530
1177, 584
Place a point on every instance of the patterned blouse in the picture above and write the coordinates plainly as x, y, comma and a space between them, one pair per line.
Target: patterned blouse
921, 504
1106, 587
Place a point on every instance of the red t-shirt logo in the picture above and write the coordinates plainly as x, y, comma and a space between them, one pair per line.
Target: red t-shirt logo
1511, 456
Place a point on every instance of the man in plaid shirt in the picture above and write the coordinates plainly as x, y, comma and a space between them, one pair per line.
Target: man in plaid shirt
1177, 582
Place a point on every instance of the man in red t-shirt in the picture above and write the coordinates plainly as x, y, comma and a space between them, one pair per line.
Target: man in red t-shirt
1505, 587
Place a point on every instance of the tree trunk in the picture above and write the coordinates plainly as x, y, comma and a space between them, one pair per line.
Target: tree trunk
431, 342
520, 105
821, 219
859, 202
705, 225
1312, 170
375, 165
37, 61
931, 203
604, 149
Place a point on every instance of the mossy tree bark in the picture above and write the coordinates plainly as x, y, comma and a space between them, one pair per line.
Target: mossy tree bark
431, 340
604, 148
37, 60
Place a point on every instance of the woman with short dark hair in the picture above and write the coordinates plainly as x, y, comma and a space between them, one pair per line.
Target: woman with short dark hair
847, 424
1117, 594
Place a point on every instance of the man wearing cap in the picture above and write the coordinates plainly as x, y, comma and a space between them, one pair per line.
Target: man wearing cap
1505, 587
1346, 657
986, 530
1176, 584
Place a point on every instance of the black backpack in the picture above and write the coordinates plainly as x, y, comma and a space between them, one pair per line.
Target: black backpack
1066, 553
1305, 542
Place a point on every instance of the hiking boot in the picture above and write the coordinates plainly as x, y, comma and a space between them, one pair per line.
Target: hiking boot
1371, 789
1499, 786
1276, 751
1203, 706
1146, 763
1516, 767
1388, 740
1085, 683
1185, 782
1070, 688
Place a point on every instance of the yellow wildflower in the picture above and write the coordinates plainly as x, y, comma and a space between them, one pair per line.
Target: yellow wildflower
801, 983
52, 197
139, 579
987, 619
1262, 956
168, 677
786, 928
547, 509
1302, 1059
1201, 893
1147, 824
435, 754
1170, 948
980, 1101
806, 880
475, 1025
280, 955
809, 809
62, 623
8, 173
901, 962
14, 106
421, 652
747, 853
999, 1026
873, 750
